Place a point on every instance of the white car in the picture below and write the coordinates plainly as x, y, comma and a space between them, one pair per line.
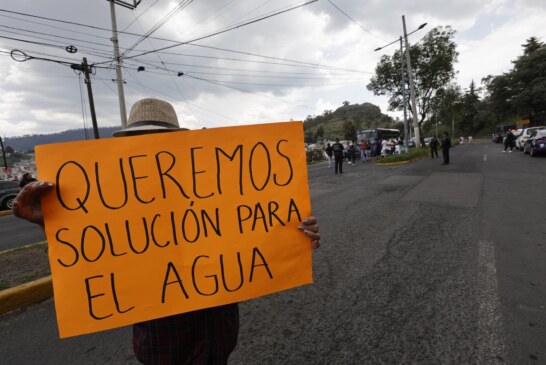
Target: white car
520, 140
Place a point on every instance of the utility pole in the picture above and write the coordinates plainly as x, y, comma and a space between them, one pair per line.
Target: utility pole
85, 68
406, 129
4, 155
121, 93
412, 89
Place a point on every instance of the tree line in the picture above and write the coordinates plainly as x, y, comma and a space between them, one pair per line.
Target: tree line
442, 105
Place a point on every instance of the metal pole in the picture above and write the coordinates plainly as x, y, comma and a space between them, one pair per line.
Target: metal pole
121, 94
406, 129
412, 89
91, 101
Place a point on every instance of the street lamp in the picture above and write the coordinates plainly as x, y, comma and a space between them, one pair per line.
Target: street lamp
410, 78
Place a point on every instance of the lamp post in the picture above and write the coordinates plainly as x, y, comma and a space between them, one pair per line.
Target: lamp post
410, 78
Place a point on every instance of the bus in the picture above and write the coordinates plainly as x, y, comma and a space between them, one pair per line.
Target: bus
371, 135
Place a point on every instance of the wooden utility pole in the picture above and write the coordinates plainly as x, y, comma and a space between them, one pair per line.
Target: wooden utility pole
91, 101
85, 68
412, 89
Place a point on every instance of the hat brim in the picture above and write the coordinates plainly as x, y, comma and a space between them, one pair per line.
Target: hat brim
144, 128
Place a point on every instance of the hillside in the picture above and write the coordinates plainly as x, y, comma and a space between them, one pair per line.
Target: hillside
345, 120
27, 142
342, 123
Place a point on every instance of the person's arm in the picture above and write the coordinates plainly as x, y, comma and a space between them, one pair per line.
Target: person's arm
27, 203
310, 228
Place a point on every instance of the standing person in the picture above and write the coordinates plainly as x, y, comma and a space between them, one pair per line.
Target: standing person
368, 150
338, 156
509, 141
461, 140
351, 153
329, 154
363, 148
446, 143
27, 178
469, 139
205, 336
433, 147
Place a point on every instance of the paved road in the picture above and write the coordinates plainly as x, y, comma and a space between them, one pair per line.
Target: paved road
15, 232
420, 263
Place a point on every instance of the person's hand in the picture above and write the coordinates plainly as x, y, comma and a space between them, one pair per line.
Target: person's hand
27, 203
310, 228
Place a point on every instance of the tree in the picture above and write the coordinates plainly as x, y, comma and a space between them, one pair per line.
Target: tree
9, 149
432, 61
349, 130
447, 106
531, 44
470, 110
528, 84
498, 96
319, 134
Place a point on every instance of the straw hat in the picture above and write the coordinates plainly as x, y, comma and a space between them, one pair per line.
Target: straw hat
150, 115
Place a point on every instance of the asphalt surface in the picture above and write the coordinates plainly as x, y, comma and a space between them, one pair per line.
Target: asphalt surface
420, 263
15, 232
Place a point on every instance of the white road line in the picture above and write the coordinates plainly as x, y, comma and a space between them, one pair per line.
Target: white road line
491, 341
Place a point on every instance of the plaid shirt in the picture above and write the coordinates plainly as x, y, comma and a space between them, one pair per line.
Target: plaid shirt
203, 337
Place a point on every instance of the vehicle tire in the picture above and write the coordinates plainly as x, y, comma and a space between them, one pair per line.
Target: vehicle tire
525, 151
532, 153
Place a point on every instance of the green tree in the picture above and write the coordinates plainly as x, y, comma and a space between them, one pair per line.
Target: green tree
498, 96
528, 84
349, 130
531, 44
432, 61
470, 110
319, 134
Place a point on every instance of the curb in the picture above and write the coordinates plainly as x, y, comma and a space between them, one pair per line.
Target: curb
6, 212
25, 294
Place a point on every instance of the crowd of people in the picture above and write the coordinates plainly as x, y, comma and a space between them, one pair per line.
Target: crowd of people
363, 151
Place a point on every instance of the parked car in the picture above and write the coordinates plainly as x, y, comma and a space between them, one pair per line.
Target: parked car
538, 143
8, 192
526, 133
537, 133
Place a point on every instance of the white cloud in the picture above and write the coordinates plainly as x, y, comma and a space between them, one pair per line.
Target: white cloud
40, 96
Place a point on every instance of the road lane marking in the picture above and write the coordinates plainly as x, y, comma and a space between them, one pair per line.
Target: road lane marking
491, 343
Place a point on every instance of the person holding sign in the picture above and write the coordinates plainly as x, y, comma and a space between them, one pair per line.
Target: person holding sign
203, 336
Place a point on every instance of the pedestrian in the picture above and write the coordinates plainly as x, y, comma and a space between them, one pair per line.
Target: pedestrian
433, 147
469, 139
329, 154
461, 140
509, 141
206, 336
338, 156
363, 148
446, 143
27, 178
368, 150
351, 152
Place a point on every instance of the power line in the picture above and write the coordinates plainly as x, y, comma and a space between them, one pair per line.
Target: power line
354, 21
280, 59
181, 6
225, 30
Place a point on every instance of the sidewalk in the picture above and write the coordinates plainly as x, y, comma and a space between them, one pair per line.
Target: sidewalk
24, 276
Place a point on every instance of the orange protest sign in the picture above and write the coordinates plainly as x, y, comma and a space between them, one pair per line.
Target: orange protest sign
148, 226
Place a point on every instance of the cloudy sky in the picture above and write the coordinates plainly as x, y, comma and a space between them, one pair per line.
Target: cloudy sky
288, 66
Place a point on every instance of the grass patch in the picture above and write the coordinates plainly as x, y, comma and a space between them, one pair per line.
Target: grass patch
413, 154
